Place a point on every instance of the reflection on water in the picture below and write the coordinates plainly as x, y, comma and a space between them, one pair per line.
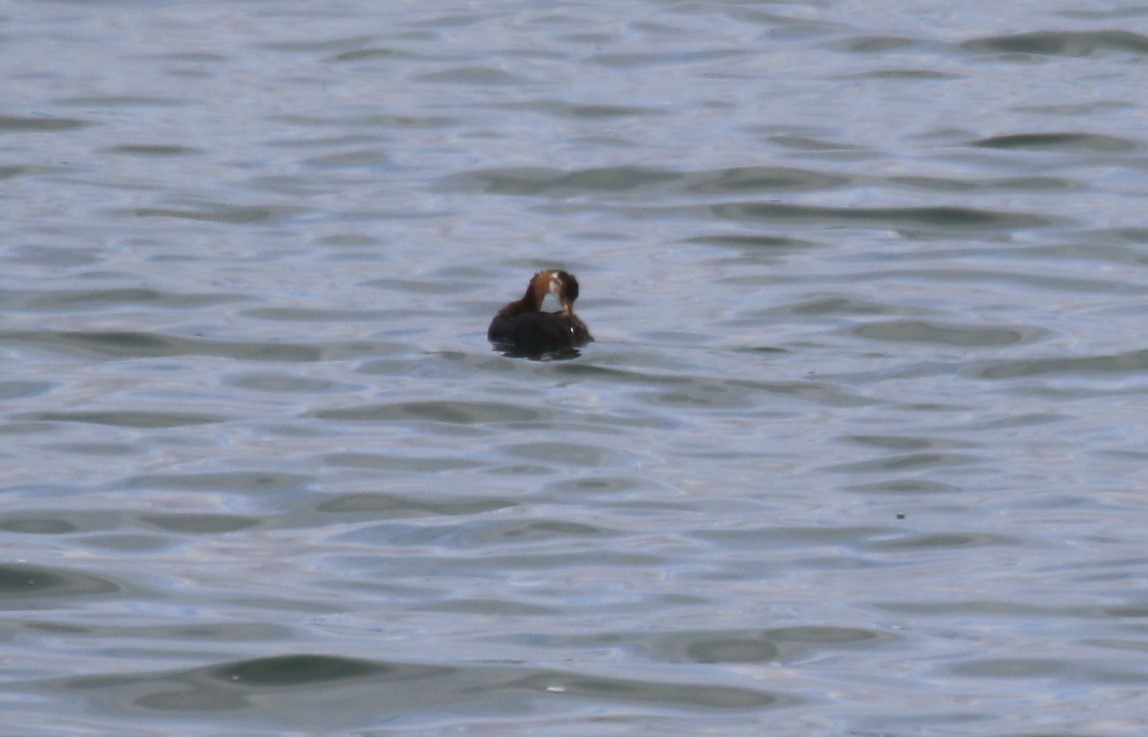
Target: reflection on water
858, 448
563, 354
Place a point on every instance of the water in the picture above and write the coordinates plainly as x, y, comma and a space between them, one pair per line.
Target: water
859, 448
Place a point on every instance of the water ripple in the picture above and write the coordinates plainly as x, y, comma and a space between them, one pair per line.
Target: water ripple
1132, 363
944, 218
1060, 43
1058, 141
134, 344
308, 689
24, 586
19, 124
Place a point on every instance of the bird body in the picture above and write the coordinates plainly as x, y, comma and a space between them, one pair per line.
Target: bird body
522, 326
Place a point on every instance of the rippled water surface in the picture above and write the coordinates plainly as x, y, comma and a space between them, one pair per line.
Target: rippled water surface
860, 448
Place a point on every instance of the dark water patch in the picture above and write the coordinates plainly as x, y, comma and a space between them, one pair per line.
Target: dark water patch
458, 534
491, 608
611, 487
901, 442
562, 354
1060, 43
526, 531
921, 331
939, 541
813, 145
397, 506
200, 524
760, 350
1094, 107
1133, 362
331, 144
153, 420
669, 695
776, 645
356, 158
385, 462
283, 383
58, 300
844, 305
11, 172
762, 179
1118, 12
241, 482
56, 256
752, 242
454, 412
258, 684
26, 429
468, 563
191, 57
936, 218
325, 691
319, 45
472, 75
120, 101
32, 124
405, 366
876, 44
728, 648
98, 448
438, 286
124, 344
37, 523
555, 183
38, 587
153, 150
582, 111
215, 212
1026, 419
1132, 611
1019, 668
133, 544
310, 314
771, 538
1095, 248
561, 454
373, 53
614, 374
704, 395
1132, 235
626, 61
348, 243
1041, 184
902, 75
22, 389
804, 641
1057, 142
979, 608
904, 486
359, 122
289, 671
982, 277
246, 632
711, 394
903, 462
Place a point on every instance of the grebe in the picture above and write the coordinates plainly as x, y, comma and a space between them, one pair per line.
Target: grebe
521, 326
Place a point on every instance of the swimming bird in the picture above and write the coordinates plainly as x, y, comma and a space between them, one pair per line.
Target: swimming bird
523, 327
